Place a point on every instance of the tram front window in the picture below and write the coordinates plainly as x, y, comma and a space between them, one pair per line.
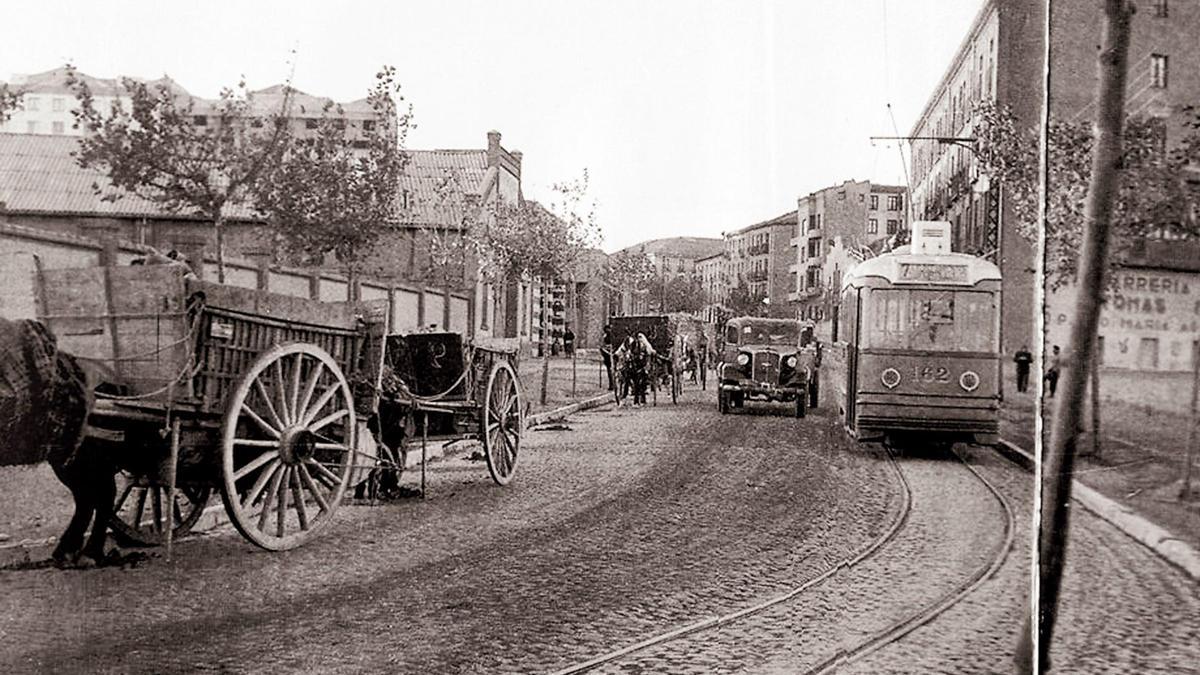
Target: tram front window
960, 321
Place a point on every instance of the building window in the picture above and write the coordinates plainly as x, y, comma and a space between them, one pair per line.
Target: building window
841, 195
893, 226
874, 202
872, 226
895, 202
1160, 8
30, 103
310, 123
56, 104
200, 120
1158, 71
58, 127
860, 197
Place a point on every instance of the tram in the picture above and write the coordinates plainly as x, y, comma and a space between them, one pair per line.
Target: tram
915, 353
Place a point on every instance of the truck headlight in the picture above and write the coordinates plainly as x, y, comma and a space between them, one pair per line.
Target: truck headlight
743, 359
791, 361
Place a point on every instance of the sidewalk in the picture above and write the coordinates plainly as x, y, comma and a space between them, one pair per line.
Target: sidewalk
589, 380
1140, 464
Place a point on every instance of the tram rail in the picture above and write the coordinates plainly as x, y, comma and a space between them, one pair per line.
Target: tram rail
891, 634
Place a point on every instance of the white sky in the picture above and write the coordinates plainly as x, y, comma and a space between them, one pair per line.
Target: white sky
692, 118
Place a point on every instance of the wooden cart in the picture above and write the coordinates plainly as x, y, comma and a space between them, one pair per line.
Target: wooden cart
204, 387
661, 331
445, 390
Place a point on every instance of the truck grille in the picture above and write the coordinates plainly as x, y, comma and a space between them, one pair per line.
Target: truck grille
766, 367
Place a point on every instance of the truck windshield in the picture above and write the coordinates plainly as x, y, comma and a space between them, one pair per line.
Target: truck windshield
769, 334
942, 320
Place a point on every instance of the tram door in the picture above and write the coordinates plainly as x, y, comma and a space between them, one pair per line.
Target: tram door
850, 321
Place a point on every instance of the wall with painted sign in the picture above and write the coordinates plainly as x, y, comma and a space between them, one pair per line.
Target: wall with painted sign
1149, 323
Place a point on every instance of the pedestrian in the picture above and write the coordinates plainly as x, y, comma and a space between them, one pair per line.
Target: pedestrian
606, 354
1052, 370
568, 341
1023, 359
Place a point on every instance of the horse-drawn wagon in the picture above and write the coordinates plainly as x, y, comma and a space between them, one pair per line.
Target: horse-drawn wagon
661, 332
268, 398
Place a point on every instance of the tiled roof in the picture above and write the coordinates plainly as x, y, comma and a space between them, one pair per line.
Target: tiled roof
429, 169
38, 175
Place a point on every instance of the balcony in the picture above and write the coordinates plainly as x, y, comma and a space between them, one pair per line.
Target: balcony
757, 275
759, 249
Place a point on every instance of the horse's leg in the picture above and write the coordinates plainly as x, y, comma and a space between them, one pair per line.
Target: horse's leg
103, 490
68, 548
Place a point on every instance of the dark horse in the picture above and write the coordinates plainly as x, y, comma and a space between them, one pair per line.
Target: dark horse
44, 402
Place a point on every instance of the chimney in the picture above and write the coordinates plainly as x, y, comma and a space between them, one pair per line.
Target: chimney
493, 149
517, 155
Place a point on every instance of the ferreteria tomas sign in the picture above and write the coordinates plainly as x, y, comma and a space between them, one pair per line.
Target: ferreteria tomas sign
1149, 321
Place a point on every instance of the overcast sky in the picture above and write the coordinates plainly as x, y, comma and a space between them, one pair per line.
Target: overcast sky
693, 118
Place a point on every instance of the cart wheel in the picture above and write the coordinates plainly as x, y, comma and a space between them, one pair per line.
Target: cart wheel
503, 422
287, 446
138, 516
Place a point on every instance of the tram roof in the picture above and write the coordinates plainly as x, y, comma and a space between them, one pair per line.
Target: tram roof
904, 267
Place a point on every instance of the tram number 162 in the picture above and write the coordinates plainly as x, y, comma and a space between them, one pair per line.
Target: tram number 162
931, 374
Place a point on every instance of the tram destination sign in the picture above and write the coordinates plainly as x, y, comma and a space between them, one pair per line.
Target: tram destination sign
929, 273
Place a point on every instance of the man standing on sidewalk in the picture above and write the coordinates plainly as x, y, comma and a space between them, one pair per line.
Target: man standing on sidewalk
1023, 360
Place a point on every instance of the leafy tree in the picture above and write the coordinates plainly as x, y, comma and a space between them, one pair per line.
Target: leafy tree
543, 243
333, 195
10, 100
628, 272
679, 293
1151, 201
194, 161
743, 302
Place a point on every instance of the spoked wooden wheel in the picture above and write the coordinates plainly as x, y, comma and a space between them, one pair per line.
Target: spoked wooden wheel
287, 446
140, 513
503, 422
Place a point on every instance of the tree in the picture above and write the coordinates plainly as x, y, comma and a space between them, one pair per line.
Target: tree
744, 302
333, 195
191, 161
1151, 201
628, 271
679, 293
541, 243
10, 100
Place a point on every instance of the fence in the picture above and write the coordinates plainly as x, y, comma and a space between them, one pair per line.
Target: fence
24, 250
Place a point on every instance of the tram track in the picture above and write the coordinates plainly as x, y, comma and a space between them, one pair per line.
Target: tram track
894, 632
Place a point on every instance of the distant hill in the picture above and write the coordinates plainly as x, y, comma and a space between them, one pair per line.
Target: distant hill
689, 248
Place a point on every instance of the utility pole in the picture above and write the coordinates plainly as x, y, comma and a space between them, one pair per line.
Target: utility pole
1058, 462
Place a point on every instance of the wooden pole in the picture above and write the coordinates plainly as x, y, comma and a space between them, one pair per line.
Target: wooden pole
172, 476
1185, 490
1058, 462
1094, 377
424, 449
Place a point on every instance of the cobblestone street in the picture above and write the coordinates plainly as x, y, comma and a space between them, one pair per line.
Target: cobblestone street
630, 524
